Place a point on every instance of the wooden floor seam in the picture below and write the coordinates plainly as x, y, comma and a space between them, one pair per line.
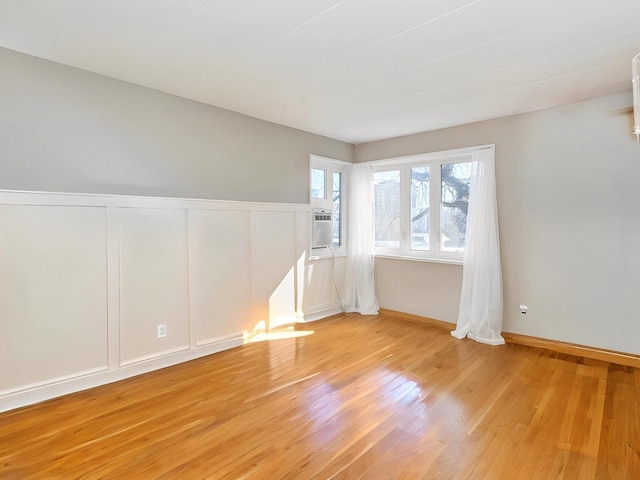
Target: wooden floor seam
372, 397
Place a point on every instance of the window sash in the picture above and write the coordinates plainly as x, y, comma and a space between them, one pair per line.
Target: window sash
318, 183
331, 168
337, 207
404, 166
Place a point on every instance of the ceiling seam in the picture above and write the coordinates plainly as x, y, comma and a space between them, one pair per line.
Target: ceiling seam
537, 59
399, 34
61, 32
306, 22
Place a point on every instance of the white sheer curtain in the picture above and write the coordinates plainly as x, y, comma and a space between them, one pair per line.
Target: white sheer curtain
480, 316
359, 283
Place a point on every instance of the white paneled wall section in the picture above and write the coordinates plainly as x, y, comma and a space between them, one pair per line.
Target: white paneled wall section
85, 281
53, 303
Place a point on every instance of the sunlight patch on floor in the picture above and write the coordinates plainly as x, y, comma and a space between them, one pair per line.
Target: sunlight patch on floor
279, 334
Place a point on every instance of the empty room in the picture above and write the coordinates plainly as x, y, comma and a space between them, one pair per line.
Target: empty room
319, 239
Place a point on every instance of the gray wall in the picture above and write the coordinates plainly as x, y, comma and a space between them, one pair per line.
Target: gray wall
64, 129
568, 183
567, 186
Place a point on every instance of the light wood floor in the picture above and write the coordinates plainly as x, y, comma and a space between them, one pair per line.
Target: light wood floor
361, 397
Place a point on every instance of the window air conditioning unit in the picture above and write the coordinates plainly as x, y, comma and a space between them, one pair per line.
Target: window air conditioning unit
322, 231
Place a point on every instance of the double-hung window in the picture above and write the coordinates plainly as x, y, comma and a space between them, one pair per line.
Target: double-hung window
421, 205
328, 185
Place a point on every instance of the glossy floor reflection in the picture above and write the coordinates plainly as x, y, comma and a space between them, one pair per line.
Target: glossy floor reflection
361, 397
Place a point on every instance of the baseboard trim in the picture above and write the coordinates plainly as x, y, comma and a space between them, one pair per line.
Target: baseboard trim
43, 392
594, 353
417, 318
321, 315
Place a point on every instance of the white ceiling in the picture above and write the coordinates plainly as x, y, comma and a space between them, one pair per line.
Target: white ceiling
355, 70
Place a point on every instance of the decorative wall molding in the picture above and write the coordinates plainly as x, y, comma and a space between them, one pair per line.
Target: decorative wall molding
59, 387
19, 197
227, 286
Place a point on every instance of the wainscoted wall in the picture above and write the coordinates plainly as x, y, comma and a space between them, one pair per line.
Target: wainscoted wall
324, 287
53, 273
85, 281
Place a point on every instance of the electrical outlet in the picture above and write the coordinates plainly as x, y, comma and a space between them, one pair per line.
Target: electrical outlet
523, 309
162, 330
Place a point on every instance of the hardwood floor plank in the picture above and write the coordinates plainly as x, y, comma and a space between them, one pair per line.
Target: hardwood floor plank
373, 397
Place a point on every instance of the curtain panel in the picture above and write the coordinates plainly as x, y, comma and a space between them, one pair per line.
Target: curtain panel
359, 280
480, 314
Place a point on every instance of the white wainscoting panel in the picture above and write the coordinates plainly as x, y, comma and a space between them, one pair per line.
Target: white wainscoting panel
273, 247
154, 286
53, 294
85, 280
303, 227
222, 244
324, 278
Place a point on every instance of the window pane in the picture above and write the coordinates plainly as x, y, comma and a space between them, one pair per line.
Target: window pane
386, 191
317, 183
337, 208
455, 200
420, 208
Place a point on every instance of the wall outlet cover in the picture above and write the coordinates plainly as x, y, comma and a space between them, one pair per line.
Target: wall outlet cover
162, 330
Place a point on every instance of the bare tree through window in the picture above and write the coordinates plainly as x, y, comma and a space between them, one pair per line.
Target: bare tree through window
454, 205
387, 207
453, 200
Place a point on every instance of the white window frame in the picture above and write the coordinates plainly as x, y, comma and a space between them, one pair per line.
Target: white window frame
330, 166
404, 164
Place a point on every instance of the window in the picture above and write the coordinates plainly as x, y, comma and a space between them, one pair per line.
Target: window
327, 192
386, 191
454, 203
318, 183
420, 198
336, 198
421, 205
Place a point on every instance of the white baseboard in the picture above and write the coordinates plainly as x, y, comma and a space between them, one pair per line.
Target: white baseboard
313, 316
40, 393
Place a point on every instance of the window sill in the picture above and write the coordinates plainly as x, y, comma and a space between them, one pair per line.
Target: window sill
450, 261
326, 255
